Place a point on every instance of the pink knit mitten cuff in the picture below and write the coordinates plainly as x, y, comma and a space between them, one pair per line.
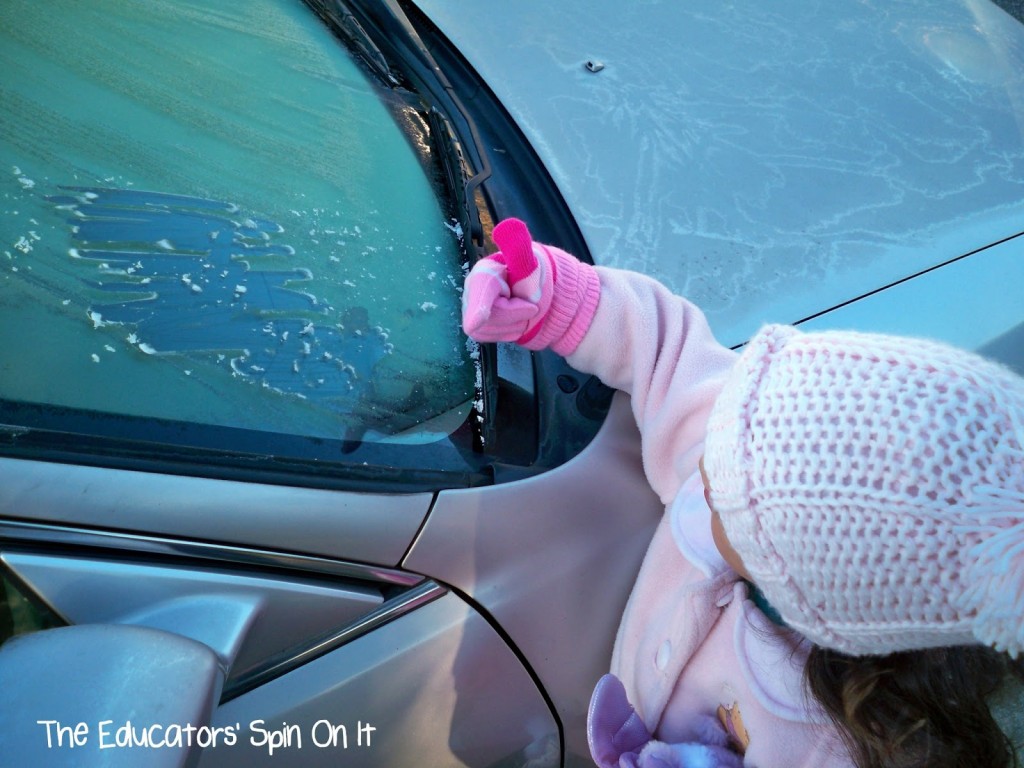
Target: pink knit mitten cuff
577, 289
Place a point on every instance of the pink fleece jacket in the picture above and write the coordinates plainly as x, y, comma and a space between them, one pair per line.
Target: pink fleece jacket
690, 641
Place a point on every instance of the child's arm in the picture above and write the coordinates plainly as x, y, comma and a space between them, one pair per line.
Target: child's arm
656, 346
629, 330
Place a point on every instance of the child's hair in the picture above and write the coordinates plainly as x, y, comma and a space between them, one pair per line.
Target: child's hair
915, 709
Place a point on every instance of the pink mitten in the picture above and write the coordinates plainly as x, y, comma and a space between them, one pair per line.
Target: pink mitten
533, 294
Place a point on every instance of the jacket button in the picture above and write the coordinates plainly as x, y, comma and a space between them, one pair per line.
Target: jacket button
662, 657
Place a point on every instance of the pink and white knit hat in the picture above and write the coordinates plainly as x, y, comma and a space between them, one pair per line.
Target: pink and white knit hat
874, 488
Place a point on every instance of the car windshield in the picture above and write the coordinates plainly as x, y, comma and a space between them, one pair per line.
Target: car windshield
210, 213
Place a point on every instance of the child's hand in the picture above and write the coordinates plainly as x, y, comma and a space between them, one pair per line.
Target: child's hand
505, 297
535, 295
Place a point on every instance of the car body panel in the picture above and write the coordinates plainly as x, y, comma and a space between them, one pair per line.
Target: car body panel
978, 301
552, 559
365, 527
768, 161
438, 686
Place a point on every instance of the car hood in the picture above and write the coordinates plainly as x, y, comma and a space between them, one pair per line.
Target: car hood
768, 160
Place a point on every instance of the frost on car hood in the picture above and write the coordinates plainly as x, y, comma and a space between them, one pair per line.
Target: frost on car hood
747, 151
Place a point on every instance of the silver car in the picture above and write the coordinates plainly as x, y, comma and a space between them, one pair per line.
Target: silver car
261, 503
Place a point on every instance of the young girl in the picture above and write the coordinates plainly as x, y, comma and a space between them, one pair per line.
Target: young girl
845, 515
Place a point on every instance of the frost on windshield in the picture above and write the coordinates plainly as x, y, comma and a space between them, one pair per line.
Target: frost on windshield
262, 249
186, 277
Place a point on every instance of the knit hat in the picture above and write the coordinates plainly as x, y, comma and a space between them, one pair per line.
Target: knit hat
873, 487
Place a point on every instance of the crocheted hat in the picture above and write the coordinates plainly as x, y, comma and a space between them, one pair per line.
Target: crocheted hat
873, 487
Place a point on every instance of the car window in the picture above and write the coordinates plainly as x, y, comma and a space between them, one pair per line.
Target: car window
209, 213
20, 614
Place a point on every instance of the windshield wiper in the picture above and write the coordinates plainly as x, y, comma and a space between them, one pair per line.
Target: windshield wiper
341, 20
465, 127
369, 26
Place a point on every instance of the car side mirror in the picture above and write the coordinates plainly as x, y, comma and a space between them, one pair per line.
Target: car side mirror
110, 695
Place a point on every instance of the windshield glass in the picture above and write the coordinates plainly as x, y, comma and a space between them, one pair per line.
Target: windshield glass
209, 213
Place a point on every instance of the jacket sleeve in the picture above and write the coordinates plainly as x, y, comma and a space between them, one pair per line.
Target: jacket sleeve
657, 347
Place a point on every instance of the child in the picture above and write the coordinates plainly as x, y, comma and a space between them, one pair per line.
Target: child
836, 503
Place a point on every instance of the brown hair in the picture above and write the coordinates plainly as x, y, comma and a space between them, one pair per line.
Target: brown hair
915, 709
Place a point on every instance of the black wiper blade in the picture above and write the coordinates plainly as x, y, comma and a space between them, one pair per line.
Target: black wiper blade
341, 19
454, 111
389, 33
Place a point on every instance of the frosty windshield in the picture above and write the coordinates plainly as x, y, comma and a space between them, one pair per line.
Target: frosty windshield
210, 215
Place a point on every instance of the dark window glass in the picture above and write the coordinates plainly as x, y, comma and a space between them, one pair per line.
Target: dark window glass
19, 614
